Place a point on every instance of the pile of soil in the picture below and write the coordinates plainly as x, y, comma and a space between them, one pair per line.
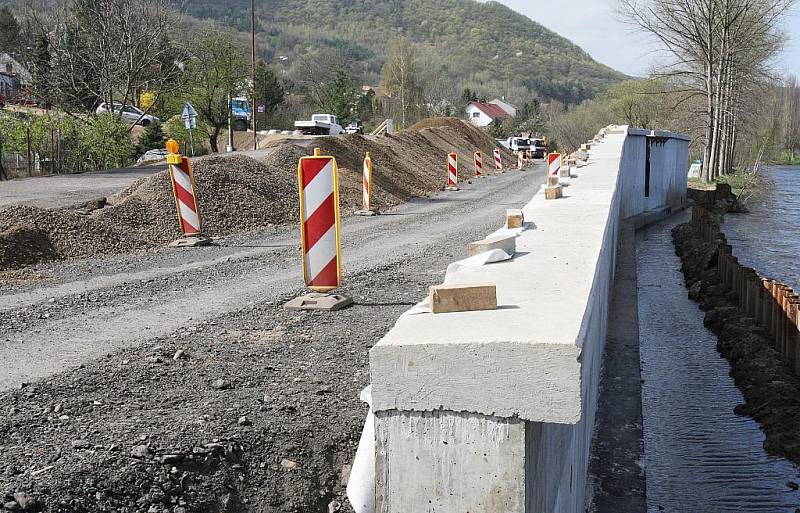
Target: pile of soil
770, 387
238, 194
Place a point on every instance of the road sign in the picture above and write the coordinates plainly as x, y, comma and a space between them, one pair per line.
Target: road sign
189, 116
262, 109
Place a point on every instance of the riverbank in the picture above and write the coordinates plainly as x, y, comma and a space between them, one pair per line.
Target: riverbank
769, 385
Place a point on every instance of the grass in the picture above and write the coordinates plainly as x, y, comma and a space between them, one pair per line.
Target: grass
742, 183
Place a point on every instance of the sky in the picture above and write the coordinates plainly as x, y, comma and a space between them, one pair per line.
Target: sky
594, 26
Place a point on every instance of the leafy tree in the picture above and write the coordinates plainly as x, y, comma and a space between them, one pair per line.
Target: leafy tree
269, 91
107, 142
341, 96
216, 71
41, 67
152, 138
10, 35
640, 103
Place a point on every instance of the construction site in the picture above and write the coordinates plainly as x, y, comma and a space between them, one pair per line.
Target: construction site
138, 377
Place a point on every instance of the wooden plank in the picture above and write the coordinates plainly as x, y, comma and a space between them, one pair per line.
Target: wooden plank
507, 243
463, 298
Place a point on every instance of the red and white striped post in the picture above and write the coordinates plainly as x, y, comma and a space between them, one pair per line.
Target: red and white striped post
498, 160
366, 191
319, 222
183, 190
478, 164
452, 171
553, 189
553, 168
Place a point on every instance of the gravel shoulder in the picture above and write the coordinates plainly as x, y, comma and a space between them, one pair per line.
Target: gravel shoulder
174, 380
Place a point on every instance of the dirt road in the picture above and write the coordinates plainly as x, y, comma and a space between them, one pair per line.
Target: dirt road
259, 411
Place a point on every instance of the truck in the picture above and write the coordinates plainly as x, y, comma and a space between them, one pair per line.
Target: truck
320, 124
240, 113
517, 144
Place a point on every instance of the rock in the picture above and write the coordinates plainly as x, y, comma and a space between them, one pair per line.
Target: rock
58, 408
81, 444
179, 509
289, 464
12, 506
24, 500
180, 353
334, 506
221, 384
141, 452
345, 474
171, 459
155, 359
244, 421
793, 485
63, 418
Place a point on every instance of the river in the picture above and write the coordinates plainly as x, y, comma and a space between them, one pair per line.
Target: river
773, 222
699, 456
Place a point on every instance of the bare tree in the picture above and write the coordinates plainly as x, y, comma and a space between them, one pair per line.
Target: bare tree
791, 115
110, 50
720, 50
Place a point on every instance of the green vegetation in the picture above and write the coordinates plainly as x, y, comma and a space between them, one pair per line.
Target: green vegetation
104, 143
484, 46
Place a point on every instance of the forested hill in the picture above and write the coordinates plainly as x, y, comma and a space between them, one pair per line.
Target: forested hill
485, 46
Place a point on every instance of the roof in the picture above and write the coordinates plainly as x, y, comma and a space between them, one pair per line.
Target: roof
491, 110
19, 69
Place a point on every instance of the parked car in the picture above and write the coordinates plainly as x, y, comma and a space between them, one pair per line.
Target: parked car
355, 127
128, 113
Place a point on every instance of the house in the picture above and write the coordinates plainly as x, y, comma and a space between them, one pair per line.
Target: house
11, 66
503, 104
484, 114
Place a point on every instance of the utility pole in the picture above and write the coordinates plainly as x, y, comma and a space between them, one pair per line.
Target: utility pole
253, 107
230, 147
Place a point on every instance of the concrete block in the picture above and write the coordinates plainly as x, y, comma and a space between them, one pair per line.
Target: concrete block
555, 192
463, 298
565, 171
449, 462
552, 181
514, 218
506, 243
318, 301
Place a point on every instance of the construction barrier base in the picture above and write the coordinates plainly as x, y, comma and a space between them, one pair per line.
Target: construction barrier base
366, 213
452, 189
318, 301
191, 241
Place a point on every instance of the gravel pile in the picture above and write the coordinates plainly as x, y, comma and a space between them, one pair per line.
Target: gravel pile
238, 194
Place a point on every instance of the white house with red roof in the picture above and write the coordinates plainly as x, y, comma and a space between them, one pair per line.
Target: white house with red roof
484, 114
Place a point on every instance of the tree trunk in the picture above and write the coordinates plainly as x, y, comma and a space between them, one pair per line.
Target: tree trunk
212, 141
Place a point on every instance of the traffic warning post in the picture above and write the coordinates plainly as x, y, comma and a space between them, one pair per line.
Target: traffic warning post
183, 191
553, 189
366, 189
452, 172
498, 160
318, 186
478, 164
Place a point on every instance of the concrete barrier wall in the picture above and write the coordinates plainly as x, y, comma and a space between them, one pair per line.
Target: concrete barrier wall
494, 411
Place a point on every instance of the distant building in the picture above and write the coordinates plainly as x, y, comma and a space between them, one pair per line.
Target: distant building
484, 114
506, 106
11, 66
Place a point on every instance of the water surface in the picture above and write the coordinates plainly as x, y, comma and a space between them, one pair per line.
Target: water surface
700, 457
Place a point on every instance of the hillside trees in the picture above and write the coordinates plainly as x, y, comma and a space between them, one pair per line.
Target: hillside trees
10, 37
328, 79
269, 91
719, 50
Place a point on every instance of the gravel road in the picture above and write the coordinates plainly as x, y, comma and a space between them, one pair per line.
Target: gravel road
259, 411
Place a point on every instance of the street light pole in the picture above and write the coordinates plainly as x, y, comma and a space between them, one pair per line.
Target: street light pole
253, 108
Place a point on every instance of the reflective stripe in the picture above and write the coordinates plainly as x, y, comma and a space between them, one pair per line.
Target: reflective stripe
321, 253
189, 216
319, 189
